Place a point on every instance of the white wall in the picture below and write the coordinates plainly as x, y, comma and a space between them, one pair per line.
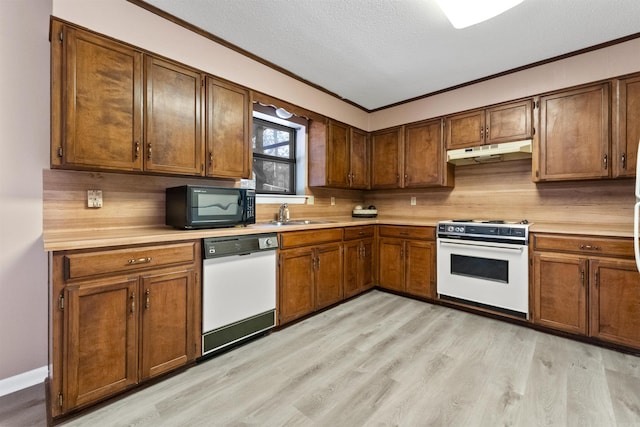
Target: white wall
24, 152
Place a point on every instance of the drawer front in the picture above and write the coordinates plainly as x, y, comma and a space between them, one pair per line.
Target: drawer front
294, 239
424, 233
360, 232
80, 265
588, 245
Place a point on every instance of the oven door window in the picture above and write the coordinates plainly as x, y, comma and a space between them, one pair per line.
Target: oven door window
481, 268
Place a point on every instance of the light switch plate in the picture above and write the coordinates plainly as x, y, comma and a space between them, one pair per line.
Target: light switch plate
413, 201
94, 198
333, 201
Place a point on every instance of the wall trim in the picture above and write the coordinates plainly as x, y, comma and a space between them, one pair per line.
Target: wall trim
23, 380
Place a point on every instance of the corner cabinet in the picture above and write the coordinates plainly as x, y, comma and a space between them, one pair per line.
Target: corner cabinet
574, 138
310, 272
338, 156
501, 123
587, 285
407, 260
121, 316
228, 130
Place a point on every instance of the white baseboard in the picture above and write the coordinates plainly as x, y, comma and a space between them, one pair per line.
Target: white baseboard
24, 380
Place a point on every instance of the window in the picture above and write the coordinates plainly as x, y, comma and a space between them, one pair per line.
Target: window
274, 157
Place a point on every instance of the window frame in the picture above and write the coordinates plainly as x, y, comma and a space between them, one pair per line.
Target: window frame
291, 161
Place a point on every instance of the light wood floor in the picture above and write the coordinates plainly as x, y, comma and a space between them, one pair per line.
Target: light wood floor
385, 360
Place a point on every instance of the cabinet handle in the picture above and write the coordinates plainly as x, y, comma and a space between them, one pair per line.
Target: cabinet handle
133, 302
147, 303
590, 248
149, 151
139, 261
486, 132
406, 178
137, 149
398, 177
481, 133
210, 158
624, 161
401, 253
605, 159
597, 279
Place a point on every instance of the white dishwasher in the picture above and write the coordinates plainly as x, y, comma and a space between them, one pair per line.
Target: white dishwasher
238, 289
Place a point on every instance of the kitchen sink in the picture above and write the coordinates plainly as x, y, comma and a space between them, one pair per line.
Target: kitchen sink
299, 222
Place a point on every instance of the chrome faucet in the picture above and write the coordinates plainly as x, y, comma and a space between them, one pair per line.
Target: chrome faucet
283, 213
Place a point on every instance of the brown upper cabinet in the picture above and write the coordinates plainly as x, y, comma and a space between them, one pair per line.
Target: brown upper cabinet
228, 130
173, 133
501, 123
626, 126
96, 102
118, 108
574, 135
410, 156
338, 156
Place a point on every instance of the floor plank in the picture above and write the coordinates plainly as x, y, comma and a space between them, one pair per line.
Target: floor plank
382, 360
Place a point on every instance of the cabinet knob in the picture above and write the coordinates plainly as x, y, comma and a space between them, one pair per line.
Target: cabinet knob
137, 149
605, 161
149, 151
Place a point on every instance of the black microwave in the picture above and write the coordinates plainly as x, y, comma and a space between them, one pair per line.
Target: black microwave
194, 206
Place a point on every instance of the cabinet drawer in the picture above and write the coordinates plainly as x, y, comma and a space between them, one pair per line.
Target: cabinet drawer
360, 232
426, 233
590, 245
293, 239
79, 265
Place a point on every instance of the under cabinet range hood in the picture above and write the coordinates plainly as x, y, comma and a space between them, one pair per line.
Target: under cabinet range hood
491, 153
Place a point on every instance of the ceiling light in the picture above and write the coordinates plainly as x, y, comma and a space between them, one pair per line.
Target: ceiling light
464, 13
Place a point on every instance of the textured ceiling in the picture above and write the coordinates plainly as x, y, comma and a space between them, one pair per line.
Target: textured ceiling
375, 53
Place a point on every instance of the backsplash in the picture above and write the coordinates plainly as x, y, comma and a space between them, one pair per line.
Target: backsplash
505, 191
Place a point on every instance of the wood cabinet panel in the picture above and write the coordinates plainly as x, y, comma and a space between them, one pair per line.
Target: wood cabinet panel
614, 301
465, 130
587, 245
386, 158
95, 263
358, 232
100, 356
95, 72
292, 239
391, 264
560, 295
338, 153
167, 330
574, 134
173, 133
424, 159
420, 268
509, 122
296, 287
228, 130
401, 231
360, 160
358, 266
329, 275
626, 133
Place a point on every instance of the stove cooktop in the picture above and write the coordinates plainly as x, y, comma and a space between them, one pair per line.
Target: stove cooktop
485, 230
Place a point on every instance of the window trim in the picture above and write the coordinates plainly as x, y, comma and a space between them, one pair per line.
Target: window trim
292, 160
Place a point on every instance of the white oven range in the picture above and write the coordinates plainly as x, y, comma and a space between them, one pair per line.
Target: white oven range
485, 264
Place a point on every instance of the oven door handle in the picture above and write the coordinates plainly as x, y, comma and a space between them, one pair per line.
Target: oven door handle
483, 245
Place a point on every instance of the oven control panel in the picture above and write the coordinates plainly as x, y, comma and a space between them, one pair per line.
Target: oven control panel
472, 230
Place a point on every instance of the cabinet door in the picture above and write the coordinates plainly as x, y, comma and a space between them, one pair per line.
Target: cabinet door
615, 301
385, 158
574, 134
366, 265
559, 287
465, 130
101, 104
360, 169
100, 351
168, 331
296, 289
391, 264
420, 270
328, 279
352, 262
627, 131
423, 157
508, 122
228, 130
338, 155
173, 133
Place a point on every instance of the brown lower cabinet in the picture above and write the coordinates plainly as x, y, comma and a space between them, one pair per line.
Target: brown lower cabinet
587, 285
119, 317
407, 260
358, 259
310, 270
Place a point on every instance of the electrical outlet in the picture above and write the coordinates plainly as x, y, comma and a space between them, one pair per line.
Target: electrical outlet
413, 201
94, 198
333, 201
310, 200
